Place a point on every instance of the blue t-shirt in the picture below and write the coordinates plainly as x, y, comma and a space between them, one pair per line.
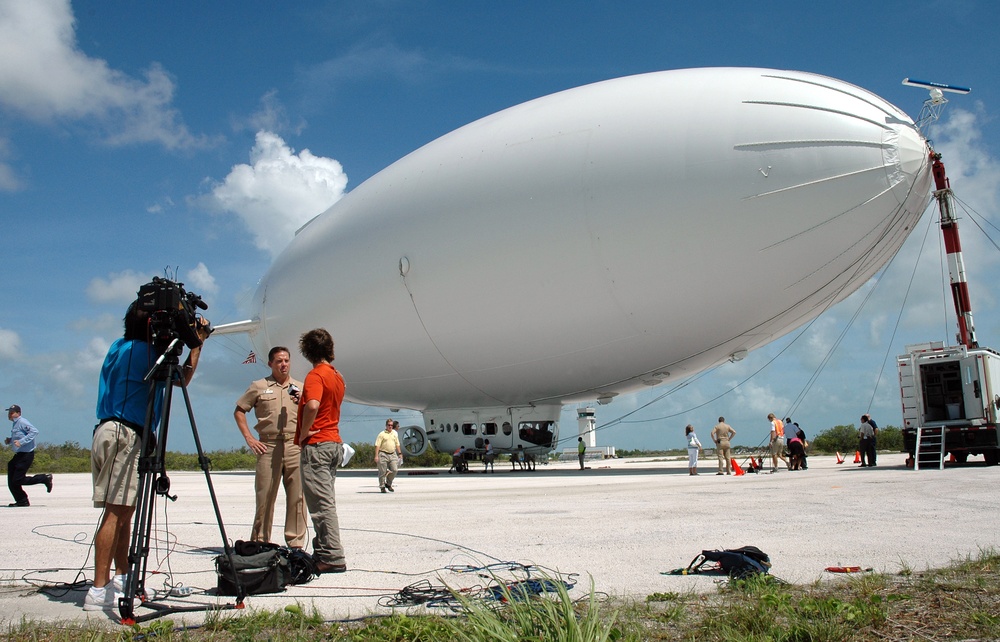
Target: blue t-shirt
121, 392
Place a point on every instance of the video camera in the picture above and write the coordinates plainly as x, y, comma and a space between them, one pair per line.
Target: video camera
172, 313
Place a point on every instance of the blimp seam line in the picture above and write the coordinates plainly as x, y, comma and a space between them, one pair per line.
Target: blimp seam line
893, 221
427, 333
839, 112
808, 143
840, 91
829, 220
878, 168
881, 230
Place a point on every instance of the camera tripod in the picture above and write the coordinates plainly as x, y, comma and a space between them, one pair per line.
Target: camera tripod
153, 481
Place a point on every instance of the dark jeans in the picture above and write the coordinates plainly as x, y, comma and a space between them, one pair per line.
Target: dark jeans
867, 447
17, 469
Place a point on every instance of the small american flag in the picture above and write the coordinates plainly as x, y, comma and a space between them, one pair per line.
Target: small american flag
251, 358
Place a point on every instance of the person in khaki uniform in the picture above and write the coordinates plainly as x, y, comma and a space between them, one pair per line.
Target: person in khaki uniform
721, 435
274, 401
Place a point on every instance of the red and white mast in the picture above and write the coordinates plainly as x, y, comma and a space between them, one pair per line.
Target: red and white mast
953, 247
949, 226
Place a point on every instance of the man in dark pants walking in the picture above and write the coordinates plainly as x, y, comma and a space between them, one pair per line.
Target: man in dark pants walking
22, 440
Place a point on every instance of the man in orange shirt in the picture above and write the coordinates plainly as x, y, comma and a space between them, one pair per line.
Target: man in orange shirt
322, 449
777, 442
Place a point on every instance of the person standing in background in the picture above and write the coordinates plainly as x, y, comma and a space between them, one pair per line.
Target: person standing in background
387, 456
694, 447
721, 435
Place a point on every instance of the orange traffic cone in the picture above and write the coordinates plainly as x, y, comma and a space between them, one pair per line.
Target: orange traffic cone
952, 460
840, 459
736, 467
857, 456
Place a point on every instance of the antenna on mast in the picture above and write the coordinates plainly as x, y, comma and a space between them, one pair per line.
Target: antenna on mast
934, 105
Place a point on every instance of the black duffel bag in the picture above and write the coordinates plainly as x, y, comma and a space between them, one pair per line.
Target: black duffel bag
262, 568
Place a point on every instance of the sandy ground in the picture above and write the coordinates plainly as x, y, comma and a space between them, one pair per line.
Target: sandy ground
620, 524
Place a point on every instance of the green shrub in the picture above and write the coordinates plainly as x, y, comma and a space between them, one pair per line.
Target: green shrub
840, 439
890, 438
844, 439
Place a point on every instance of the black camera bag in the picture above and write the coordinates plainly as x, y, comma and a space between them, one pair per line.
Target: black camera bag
262, 568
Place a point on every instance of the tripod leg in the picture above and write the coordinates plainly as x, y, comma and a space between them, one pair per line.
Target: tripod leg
150, 463
205, 466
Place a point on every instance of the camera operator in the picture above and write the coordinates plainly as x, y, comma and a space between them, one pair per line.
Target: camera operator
114, 458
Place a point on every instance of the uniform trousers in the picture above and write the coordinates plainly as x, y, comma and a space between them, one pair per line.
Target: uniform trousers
723, 452
281, 464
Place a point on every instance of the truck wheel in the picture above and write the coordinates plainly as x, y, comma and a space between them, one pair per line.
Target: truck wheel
991, 457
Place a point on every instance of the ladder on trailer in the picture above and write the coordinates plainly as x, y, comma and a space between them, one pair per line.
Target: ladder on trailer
929, 451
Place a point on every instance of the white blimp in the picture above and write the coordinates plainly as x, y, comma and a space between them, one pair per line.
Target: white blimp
597, 241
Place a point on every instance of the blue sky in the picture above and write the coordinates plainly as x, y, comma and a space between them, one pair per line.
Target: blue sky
194, 137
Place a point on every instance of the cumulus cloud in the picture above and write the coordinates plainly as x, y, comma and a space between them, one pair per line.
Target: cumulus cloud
75, 376
200, 280
279, 191
119, 287
10, 344
45, 77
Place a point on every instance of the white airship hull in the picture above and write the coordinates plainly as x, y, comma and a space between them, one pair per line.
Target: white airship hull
602, 239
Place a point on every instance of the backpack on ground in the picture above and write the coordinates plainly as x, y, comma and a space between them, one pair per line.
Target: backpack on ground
263, 567
737, 563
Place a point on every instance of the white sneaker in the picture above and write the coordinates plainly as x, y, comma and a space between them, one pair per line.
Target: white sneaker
100, 599
119, 582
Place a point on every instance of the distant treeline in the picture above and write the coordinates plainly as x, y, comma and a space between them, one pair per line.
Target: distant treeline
70, 457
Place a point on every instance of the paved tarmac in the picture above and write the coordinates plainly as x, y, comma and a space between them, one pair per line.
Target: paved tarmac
619, 524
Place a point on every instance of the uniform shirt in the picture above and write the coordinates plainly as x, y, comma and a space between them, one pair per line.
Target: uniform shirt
274, 408
387, 442
722, 432
866, 431
323, 384
122, 392
24, 433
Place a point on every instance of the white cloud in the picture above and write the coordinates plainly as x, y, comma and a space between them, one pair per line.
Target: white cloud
75, 376
45, 77
10, 344
119, 287
164, 204
199, 280
279, 192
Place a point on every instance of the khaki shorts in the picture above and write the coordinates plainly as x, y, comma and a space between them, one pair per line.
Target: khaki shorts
778, 446
114, 465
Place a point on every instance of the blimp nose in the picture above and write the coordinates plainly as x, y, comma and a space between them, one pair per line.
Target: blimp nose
906, 160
